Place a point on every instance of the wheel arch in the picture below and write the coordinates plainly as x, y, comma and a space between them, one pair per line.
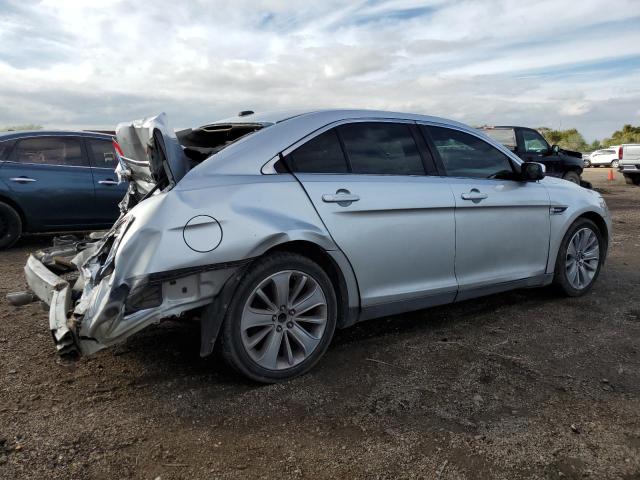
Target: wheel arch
16, 207
334, 263
600, 223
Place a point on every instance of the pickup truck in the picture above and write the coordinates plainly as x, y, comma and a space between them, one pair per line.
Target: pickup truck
629, 162
531, 146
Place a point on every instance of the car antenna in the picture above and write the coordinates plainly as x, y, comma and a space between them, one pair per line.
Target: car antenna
246, 113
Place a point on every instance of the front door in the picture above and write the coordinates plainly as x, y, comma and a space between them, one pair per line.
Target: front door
394, 222
50, 179
502, 223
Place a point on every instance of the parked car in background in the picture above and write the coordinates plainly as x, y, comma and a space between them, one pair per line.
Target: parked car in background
629, 155
606, 157
294, 224
56, 181
531, 146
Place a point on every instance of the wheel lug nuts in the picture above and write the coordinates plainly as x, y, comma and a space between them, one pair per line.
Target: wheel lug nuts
289, 324
283, 308
274, 318
292, 312
279, 328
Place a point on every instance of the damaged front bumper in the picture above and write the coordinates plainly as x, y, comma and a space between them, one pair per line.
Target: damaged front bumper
90, 310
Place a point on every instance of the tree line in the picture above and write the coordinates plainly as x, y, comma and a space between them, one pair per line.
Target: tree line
572, 139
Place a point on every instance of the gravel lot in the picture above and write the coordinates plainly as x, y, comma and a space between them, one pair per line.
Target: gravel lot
519, 385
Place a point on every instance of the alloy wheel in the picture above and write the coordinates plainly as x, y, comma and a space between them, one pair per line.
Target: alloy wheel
284, 319
582, 259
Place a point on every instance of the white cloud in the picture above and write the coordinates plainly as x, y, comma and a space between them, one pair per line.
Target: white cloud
65, 63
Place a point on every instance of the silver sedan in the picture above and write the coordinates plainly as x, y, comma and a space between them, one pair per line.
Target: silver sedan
276, 229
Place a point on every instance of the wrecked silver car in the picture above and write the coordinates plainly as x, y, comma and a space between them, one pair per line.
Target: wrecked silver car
278, 228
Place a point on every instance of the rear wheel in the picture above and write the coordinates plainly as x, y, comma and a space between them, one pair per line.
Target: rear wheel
587, 164
572, 177
10, 226
632, 179
579, 259
281, 319
615, 164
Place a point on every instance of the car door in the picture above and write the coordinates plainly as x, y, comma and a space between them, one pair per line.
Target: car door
108, 193
502, 223
49, 177
534, 148
395, 223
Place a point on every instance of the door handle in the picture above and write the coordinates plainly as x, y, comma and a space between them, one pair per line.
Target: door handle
22, 179
342, 197
474, 195
107, 182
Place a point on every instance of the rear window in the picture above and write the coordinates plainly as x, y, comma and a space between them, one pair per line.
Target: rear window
506, 136
321, 154
102, 154
381, 148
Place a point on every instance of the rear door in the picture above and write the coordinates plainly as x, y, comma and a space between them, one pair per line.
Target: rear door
50, 178
108, 193
394, 222
502, 224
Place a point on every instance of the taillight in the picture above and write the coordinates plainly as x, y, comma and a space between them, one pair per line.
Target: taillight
117, 148
620, 152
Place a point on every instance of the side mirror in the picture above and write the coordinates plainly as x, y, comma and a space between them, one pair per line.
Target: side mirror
532, 171
555, 149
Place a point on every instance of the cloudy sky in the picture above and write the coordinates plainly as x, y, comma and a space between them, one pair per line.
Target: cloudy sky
537, 63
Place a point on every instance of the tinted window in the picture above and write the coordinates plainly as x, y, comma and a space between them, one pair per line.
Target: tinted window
381, 148
5, 149
50, 151
534, 142
102, 154
465, 155
321, 154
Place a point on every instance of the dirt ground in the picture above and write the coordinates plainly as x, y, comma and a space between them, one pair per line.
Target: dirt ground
519, 385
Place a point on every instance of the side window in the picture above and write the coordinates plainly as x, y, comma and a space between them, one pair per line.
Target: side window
102, 154
466, 155
381, 148
321, 154
50, 151
5, 149
534, 142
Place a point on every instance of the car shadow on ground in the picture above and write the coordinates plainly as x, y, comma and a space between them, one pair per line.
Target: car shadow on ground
170, 350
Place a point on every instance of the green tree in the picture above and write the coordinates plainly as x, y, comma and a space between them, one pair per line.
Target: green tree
14, 128
628, 134
570, 139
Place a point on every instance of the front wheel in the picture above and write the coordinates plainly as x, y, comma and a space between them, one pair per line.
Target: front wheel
615, 164
10, 226
587, 164
572, 177
281, 319
579, 258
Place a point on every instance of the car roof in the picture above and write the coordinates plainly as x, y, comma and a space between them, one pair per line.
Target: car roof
287, 128
12, 135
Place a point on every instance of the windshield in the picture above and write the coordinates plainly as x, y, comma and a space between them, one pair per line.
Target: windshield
506, 136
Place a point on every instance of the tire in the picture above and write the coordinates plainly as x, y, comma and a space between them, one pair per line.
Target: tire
10, 226
250, 319
632, 179
572, 177
562, 277
587, 164
615, 164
